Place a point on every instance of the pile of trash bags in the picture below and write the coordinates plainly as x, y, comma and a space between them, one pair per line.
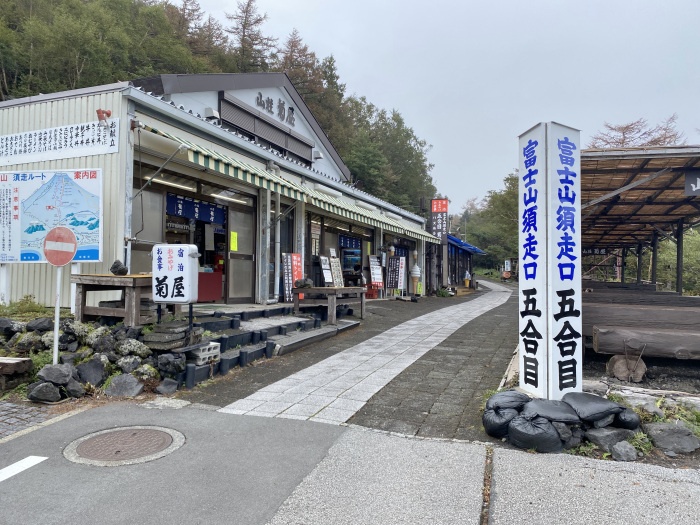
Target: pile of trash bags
549, 426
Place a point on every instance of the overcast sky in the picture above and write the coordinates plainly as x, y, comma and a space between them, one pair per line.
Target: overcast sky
470, 76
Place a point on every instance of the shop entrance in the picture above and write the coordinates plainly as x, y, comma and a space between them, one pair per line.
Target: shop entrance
241, 256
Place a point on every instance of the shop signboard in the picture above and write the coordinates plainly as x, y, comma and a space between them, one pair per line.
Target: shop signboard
326, 270
175, 273
393, 273
337, 271
63, 142
550, 349
34, 202
439, 219
190, 208
291, 267
594, 251
375, 271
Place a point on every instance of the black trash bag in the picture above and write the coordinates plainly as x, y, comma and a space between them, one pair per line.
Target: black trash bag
628, 419
590, 407
496, 421
534, 434
551, 410
507, 399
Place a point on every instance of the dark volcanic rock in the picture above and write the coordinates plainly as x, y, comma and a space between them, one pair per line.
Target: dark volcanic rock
92, 372
606, 437
56, 374
124, 385
42, 324
75, 388
45, 392
168, 386
674, 437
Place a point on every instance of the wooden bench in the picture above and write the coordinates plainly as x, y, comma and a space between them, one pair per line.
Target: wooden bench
332, 297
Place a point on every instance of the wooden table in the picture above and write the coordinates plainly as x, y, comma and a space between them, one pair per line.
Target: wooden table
131, 286
333, 296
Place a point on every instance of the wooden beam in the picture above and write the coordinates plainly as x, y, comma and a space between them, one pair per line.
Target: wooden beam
625, 188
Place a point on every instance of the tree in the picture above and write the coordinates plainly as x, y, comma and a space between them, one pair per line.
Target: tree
638, 134
300, 65
254, 51
492, 225
368, 165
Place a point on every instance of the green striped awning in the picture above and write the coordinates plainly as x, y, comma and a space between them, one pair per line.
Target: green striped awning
255, 176
351, 211
234, 168
417, 233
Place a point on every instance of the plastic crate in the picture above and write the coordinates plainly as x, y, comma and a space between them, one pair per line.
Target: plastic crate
210, 353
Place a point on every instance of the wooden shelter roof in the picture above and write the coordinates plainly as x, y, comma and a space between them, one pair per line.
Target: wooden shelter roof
628, 194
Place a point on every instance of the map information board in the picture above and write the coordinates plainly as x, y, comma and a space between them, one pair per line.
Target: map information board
34, 202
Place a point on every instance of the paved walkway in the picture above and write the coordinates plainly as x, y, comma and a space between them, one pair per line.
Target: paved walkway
14, 417
333, 390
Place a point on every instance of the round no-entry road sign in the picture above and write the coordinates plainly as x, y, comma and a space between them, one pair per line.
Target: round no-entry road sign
60, 246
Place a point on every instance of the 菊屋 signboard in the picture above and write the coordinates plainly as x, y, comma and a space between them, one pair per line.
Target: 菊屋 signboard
34, 202
175, 273
438, 218
550, 350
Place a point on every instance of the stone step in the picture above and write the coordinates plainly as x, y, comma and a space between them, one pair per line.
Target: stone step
284, 344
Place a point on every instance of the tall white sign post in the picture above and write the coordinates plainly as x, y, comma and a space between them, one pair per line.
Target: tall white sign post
551, 342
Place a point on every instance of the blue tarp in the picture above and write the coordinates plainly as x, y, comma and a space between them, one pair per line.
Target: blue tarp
456, 241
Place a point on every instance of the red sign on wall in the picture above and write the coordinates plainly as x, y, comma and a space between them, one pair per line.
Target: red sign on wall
439, 219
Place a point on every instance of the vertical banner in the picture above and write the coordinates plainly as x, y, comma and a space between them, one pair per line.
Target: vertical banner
287, 277
297, 272
564, 261
438, 218
532, 242
291, 273
402, 273
550, 349
175, 273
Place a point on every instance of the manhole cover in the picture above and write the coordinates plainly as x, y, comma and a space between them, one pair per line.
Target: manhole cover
124, 446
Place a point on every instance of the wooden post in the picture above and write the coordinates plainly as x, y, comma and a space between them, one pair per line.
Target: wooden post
639, 263
623, 265
679, 257
331, 308
654, 255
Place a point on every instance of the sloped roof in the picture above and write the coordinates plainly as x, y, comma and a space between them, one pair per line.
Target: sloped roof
628, 194
186, 83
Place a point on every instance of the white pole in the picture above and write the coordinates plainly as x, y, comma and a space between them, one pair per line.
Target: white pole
59, 279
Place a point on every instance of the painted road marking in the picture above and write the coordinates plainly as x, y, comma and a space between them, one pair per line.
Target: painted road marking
18, 467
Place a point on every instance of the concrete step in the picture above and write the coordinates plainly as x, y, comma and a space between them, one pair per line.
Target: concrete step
272, 346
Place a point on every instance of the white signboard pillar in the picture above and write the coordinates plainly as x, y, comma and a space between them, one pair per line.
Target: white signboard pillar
175, 273
551, 342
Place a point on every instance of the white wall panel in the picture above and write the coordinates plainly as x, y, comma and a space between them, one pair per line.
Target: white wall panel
39, 279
